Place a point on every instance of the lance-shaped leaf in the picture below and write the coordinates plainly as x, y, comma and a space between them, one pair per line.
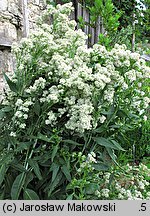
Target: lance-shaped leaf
35, 166
66, 172
17, 186
11, 84
30, 195
107, 143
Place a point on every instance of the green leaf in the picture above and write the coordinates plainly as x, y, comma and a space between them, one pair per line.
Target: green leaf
103, 142
2, 194
117, 145
112, 155
131, 115
5, 110
54, 184
11, 84
17, 186
43, 137
5, 159
35, 166
72, 142
2, 114
37, 108
24, 146
70, 197
122, 113
100, 167
54, 168
110, 112
91, 188
30, 195
115, 126
18, 167
111, 178
28, 179
8, 183
3, 170
100, 129
54, 152
107, 143
66, 172
98, 4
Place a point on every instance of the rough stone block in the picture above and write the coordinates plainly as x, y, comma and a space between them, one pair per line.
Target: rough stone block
8, 31
13, 7
1, 61
6, 61
3, 5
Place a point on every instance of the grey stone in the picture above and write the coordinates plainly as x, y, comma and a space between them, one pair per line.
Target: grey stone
3, 5
13, 7
145, 57
5, 15
1, 61
8, 31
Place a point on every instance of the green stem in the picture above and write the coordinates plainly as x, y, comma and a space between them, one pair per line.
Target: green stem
30, 155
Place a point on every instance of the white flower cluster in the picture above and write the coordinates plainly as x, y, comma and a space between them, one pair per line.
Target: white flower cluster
86, 162
38, 84
21, 114
91, 157
68, 74
103, 193
80, 116
51, 118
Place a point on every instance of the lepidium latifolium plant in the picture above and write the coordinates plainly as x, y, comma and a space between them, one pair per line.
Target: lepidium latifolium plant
64, 97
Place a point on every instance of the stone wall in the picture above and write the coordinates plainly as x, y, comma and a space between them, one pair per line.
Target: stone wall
17, 17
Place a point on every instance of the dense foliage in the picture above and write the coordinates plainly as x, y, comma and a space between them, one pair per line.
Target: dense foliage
65, 98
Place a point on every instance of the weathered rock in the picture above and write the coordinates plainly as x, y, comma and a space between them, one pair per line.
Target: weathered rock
3, 5
5, 15
1, 61
13, 7
146, 57
8, 31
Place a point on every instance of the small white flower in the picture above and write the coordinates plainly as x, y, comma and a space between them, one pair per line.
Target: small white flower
22, 126
141, 185
18, 102
18, 114
28, 103
25, 116
120, 196
90, 158
145, 118
47, 122
105, 192
13, 134
51, 118
102, 119
141, 112
97, 193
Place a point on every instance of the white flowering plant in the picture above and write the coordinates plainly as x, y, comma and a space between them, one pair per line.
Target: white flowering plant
129, 182
64, 96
